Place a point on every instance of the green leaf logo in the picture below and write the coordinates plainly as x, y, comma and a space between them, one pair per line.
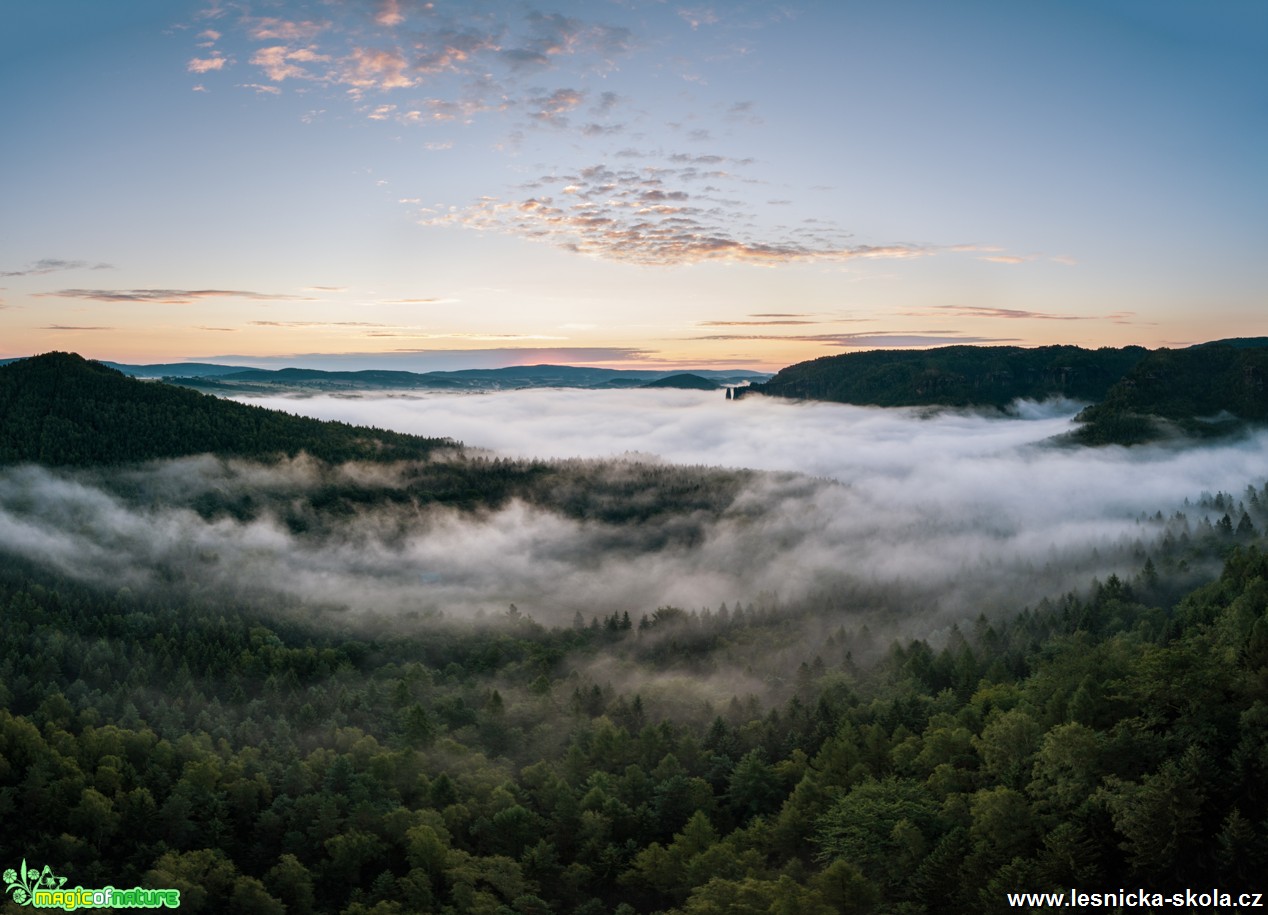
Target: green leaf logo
21, 884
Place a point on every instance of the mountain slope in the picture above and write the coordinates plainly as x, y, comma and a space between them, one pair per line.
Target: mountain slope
60, 409
955, 375
1203, 390
686, 380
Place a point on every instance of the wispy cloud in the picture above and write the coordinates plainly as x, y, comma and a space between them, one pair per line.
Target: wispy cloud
368, 68
389, 14
883, 339
978, 311
363, 48
772, 322
316, 324
698, 16
553, 109
281, 63
481, 337
206, 64
272, 29
652, 216
171, 296
72, 327
53, 265
437, 63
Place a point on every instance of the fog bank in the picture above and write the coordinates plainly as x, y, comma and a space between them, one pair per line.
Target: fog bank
953, 512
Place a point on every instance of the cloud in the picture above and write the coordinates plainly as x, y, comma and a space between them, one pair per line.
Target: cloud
635, 215
72, 327
698, 16
281, 63
362, 49
206, 64
315, 324
768, 322
555, 35
552, 109
376, 69
937, 518
873, 339
271, 29
171, 296
977, 311
449, 50
53, 265
389, 14
486, 337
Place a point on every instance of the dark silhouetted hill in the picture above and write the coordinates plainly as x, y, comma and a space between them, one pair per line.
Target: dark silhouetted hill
956, 376
61, 409
1201, 391
685, 380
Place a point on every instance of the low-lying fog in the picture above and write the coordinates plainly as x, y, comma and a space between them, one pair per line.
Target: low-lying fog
951, 511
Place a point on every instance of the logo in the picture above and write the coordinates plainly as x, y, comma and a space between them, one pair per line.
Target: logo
42, 889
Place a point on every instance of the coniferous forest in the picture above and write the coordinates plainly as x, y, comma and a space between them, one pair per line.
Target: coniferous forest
264, 753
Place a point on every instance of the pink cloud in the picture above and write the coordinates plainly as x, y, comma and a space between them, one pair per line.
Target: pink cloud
206, 64
366, 68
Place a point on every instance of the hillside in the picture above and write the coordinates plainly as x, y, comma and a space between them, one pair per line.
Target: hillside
60, 409
686, 381
956, 376
1202, 391
250, 683
228, 380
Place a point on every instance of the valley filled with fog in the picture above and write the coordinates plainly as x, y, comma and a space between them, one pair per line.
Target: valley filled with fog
928, 518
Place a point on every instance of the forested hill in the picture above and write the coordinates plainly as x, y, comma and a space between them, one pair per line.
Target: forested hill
956, 375
1203, 390
61, 409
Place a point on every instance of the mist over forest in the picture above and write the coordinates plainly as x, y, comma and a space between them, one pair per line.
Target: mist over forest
612, 652
928, 517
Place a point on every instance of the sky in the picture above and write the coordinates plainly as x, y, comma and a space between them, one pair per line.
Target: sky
433, 185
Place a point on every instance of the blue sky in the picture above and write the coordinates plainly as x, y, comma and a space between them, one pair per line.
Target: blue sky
643, 184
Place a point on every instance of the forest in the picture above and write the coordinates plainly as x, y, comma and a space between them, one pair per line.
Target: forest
1136, 395
269, 751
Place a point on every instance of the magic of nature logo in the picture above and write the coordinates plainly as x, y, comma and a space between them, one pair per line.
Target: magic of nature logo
42, 889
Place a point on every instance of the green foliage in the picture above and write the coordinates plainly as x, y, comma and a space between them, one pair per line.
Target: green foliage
59, 409
1137, 395
956, 375
1202, 391
262, 763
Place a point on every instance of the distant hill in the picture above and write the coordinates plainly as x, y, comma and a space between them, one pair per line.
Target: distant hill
686, 380
165, 369
1201, 391
227, 380
955, 375
61, 409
